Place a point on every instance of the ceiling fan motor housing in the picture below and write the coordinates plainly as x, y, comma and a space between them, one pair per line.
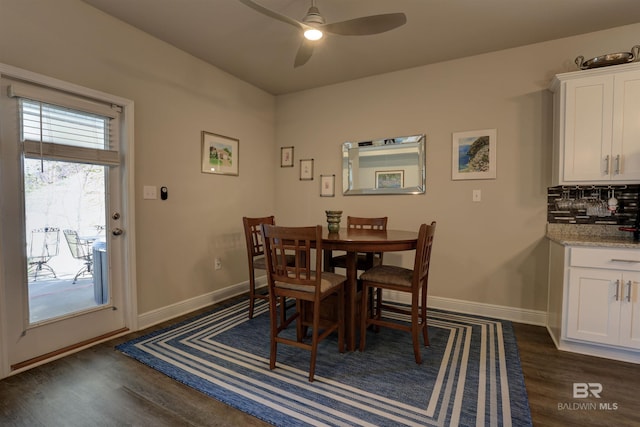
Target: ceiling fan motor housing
313, 17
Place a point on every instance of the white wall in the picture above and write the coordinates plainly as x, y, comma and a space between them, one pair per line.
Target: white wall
492, 252
176, 97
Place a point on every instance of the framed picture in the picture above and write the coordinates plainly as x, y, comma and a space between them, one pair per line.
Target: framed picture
327, 185
306, 170
390, 179
286, 157
474, 155
220, 154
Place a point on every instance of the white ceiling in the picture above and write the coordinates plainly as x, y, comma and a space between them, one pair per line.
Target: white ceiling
261, 50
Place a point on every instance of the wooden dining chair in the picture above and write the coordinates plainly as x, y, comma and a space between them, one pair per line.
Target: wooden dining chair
364, 260
305, 282
400, 279
255, 255
256, 258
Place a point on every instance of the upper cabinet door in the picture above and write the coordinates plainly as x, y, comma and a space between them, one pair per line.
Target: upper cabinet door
597, 126
626, 125
587, 129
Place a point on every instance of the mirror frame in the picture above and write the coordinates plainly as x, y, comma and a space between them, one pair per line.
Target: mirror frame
399, 143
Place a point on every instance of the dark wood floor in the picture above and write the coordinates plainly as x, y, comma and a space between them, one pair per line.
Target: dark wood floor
549, 375
101, 387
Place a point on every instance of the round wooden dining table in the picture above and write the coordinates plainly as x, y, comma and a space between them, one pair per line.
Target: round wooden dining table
353, 241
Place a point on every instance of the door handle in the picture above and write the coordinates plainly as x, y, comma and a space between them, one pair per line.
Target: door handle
617, 290
628, 297
606, 165
117, 231
617, 172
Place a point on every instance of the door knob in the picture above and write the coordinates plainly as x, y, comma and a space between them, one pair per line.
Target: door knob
117, 231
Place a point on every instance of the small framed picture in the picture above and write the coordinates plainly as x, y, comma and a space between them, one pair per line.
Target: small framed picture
220, 154
286, 157
327, 185
474, 155
390, 179
306, 170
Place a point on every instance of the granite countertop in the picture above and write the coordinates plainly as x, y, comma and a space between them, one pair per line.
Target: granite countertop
591, 235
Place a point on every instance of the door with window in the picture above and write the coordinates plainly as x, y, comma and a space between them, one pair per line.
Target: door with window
63, 234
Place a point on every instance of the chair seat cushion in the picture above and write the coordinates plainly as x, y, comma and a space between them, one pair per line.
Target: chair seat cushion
340, 261
328, 281
389, 274
261, 262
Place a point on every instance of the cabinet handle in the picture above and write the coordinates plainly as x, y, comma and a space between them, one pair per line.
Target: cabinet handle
617, 172
618, 290
625, 260
628, 298
606, 165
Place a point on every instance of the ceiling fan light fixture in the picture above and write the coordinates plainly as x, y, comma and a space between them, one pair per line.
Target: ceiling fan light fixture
313, 34
313, 26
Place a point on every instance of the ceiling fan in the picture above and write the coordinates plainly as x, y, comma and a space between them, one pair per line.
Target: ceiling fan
313, 26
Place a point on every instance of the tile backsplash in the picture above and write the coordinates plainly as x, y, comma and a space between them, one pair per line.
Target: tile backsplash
579, 204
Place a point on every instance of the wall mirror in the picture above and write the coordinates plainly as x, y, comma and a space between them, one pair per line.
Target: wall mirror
384, 166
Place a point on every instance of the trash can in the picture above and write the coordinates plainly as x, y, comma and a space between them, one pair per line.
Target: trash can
100, 272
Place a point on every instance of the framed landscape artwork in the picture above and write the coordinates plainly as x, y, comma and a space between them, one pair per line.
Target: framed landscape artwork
474, 155
220, 154
390, 179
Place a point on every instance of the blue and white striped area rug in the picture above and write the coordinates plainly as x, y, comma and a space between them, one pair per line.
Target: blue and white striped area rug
470, 375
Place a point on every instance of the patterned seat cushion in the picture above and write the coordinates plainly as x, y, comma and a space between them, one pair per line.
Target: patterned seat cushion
261, 262
329, 280
389, 274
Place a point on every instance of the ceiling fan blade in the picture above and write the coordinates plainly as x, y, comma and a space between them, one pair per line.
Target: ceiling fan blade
275, 15
304, 53
374, 24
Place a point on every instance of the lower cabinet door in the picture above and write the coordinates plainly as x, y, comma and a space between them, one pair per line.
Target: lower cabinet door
630, 311
593, 305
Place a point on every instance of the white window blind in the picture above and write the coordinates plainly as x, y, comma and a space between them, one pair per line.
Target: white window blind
60, 132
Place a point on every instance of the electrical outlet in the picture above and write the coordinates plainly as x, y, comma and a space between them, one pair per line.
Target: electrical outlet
218, 264
477, 196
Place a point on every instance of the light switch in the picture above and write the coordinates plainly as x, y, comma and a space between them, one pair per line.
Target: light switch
149, 192
477, 196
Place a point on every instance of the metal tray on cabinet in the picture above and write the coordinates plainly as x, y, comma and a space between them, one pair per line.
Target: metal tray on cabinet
608, 59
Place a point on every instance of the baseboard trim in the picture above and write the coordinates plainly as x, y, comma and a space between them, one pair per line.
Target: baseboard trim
519, 315
153, 317
603, 351
513, 314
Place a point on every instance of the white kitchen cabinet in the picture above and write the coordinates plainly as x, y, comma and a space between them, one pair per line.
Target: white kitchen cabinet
596, 126
594, 300
602, 298
600, 307
630, 315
